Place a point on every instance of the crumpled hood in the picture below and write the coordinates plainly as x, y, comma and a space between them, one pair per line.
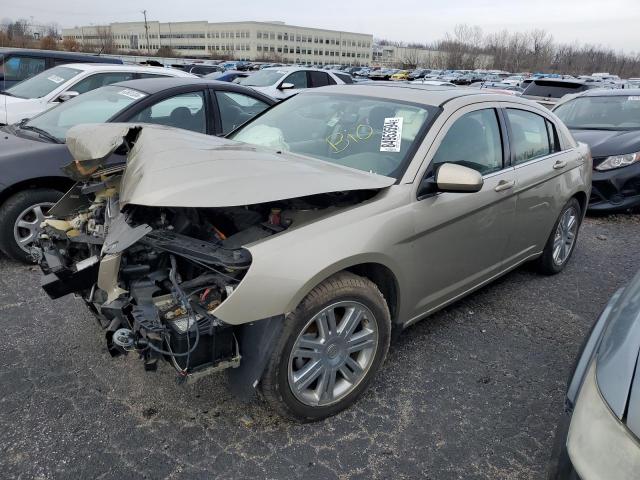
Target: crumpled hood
178, 168
604, 143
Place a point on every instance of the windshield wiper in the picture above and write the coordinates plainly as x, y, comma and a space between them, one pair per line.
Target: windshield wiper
41, 132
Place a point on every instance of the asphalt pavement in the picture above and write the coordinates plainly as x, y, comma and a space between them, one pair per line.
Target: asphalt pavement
473, 392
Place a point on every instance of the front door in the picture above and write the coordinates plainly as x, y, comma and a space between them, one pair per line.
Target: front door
461, 238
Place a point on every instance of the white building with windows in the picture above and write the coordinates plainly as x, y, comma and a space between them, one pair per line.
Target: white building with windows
274, 41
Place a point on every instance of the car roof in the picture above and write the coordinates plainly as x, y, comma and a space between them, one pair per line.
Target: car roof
611, 92
154, 85
408, 92
97, 67
88, 57
294, 69
561, 81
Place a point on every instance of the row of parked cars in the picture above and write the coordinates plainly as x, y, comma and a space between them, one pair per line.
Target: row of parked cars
213, 226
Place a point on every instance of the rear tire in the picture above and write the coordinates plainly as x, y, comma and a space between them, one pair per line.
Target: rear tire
562, 240
347, 324
23, 206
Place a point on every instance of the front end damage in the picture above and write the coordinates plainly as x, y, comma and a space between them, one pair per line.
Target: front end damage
154, 274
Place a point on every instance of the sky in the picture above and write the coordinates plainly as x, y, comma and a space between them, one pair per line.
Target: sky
610, 23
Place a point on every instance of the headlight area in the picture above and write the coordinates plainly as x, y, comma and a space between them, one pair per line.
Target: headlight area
599, 445
618, 161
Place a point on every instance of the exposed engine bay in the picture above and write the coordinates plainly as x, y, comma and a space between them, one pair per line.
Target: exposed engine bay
155, 275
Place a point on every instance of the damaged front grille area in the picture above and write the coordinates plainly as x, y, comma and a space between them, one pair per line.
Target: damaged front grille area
155, 275
199, 251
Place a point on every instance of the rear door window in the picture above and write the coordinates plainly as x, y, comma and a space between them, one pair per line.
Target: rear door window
17, 68
529, 136
344, 77
319, 79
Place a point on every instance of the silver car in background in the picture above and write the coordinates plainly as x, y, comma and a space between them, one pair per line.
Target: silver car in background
599, 435
290, 249
282, 82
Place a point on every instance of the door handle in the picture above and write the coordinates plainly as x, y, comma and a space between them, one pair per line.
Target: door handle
504, 185
559, 164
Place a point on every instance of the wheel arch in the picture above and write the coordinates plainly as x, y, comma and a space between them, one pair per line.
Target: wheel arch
61, 184
376, 269
582, 200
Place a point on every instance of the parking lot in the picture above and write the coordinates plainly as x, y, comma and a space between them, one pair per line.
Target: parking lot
474, 392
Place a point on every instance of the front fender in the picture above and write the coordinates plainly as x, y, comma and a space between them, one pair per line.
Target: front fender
286, 267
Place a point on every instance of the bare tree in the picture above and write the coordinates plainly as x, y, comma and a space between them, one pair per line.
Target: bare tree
19, 34
105, 40
70, 45
49, 43
411, 58
166, 51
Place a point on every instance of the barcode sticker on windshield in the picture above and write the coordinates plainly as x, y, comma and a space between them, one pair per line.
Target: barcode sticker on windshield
55, 79
131, 93
634, 98
391, 134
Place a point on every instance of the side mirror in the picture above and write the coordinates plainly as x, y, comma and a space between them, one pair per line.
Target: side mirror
453, 178
286, 86
68, 95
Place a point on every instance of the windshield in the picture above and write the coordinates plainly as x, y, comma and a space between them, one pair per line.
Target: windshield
43, 83
96, 106
263, 78
601, 113
370, 134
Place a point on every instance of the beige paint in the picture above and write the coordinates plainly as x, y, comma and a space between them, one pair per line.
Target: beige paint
438, 248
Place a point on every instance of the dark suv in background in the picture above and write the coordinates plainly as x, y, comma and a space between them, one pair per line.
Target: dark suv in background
19, 64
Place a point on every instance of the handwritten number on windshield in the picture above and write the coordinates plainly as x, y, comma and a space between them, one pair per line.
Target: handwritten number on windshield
340, 141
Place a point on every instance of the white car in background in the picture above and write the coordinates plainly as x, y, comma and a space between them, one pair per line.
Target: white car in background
282, 82
433, 83
58, 84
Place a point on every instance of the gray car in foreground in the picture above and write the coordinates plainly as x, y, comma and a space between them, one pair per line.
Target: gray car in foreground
288, 251
599, 435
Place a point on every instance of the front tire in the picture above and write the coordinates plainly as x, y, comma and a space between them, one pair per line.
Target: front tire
562, 241
20, 218
331, 347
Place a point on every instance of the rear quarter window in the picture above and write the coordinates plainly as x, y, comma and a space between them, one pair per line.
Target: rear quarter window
344, 78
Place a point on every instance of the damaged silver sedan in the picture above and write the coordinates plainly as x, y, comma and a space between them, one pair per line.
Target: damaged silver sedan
288, 252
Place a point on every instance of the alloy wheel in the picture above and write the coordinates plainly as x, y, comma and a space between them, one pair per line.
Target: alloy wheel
333, 353
565, 236
27, 225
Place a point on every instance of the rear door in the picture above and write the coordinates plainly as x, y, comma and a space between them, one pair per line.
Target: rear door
539, 164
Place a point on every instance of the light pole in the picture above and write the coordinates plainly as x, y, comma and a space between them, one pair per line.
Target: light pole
146, 30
